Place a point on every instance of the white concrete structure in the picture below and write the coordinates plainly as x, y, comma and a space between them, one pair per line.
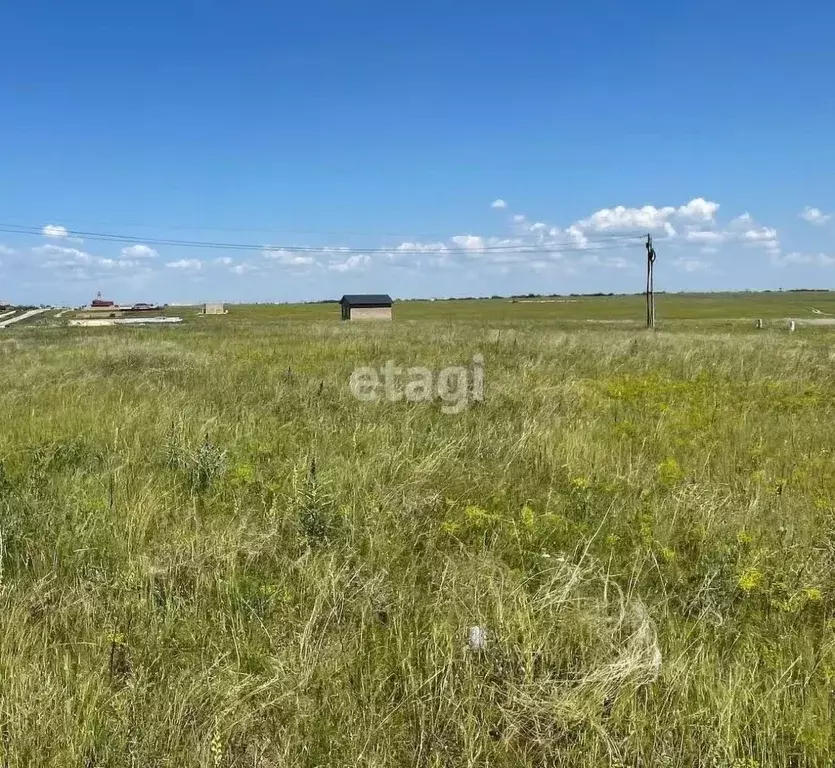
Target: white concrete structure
24, 316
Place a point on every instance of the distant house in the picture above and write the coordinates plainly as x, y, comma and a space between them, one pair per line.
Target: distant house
367, 306
213, 309
100, 303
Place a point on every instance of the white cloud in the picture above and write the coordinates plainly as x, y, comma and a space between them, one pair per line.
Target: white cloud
691, 264
355, 262
706, 236
6, 251
576, 236
742, 229
537, 244
764, 237
815, 215
186, 264
618, 262
506, 257
80, 265
491, 250
288, 258
139, 252
595, 260
647, 218
422, 248
698, 209
60, 255
691, 230
469, 242
760, 234
123, 264
803, 259
623, 219
55, 231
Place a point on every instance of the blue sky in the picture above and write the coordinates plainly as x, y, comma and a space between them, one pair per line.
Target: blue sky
382, 134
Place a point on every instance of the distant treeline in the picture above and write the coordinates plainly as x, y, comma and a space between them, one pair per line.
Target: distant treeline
599, 294
494, 296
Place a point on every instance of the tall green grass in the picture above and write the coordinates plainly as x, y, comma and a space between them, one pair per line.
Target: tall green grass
211, 554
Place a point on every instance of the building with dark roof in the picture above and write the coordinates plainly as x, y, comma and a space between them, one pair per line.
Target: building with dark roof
366, 306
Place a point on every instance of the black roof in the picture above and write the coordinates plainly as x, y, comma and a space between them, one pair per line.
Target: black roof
367, 300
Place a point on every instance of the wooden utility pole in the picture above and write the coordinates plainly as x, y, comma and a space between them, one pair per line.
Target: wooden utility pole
650, 283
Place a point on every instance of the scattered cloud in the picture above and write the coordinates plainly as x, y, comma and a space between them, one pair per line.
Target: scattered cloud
422, 247
538, 244
55, 231
192, 265
352, 263
622, 219
595, 260
75, 264
60, 255
691, 264
120, 264
803, 259
698, 209
576, 236
617, 262
287, 258
608, 239
760, 234
139, 252
689, 235
648, 218
746, 230
706, 236
815, 215
59, 232
469, 242
741, 230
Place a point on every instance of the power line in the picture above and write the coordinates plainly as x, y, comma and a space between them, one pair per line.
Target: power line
252, 230
272, 231
601, 242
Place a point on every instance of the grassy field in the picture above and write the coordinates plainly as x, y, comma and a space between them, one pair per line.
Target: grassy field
213, 554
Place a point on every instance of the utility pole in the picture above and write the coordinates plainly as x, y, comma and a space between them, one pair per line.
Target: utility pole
650, 283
